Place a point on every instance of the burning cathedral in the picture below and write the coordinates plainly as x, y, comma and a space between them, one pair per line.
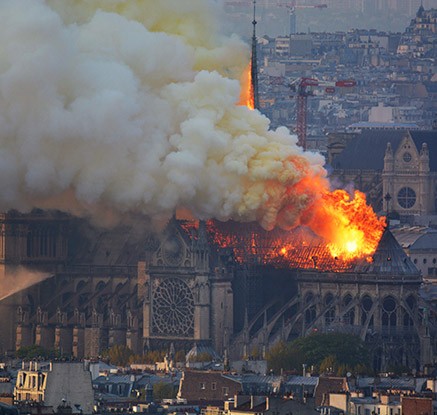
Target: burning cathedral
96, 122
96, 289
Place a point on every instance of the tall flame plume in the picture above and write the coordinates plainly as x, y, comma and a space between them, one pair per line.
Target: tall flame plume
350, 226
247, 97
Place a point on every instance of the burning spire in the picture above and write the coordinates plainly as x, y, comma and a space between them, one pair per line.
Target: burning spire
249, 96
254, 64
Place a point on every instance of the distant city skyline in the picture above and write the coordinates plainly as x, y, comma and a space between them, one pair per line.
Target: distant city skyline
340, 15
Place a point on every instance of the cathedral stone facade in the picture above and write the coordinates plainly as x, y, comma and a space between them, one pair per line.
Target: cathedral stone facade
377, 300
397, 169
79, 290
409, 185
185, 299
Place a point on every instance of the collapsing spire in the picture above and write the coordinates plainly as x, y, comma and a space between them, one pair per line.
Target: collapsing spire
254, 66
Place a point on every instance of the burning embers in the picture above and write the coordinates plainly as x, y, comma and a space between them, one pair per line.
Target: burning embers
342, 231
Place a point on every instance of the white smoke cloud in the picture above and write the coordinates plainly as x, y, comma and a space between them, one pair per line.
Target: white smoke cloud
118, 106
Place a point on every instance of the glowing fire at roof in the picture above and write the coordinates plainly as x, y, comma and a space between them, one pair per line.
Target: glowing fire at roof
247, 94
342, 231
350, 226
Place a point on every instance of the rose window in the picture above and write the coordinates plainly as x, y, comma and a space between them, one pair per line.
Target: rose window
173, 308
406, 197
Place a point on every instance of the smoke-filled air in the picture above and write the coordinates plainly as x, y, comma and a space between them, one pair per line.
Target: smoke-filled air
132, 107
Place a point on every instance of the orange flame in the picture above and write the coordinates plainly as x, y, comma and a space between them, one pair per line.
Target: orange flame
341, 230
349, 225
247, 94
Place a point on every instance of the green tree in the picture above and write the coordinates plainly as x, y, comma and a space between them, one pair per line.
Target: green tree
348, 349
35, 352
329, 364
180, 356
163, 390
118, 355
283, 356
336, 350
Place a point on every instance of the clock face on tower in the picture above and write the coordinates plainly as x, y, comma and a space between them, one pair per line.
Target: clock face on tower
173, 251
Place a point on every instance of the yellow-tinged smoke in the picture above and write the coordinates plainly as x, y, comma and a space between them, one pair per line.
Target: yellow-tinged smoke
120, 106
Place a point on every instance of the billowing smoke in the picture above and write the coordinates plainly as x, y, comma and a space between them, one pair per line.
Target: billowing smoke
16, 279
131, 106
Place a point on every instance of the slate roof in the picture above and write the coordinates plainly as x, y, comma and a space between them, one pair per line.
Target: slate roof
302, 380
407, 236
389, 259
367, 150
427, 242
382, 383
199, 349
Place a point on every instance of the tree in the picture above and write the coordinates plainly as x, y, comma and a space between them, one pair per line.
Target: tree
118, 355
35, 352
180, 356
329, 364
163, 390
335, 351
283, 356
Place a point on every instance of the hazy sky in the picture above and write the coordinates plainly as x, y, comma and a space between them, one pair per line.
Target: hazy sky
274, 21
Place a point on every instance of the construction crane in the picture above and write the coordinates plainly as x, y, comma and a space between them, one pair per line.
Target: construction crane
304, 87
292, 6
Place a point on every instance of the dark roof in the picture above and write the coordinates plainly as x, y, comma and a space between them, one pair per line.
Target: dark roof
425, 242
389, 259
366, 152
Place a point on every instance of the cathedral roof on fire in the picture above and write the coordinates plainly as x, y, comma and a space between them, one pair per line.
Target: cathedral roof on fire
367, 150
389, 259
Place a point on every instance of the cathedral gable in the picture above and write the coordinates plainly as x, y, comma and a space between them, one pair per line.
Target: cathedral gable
173, 249
407, 156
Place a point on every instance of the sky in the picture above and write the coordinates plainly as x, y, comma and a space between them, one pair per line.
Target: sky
274, 21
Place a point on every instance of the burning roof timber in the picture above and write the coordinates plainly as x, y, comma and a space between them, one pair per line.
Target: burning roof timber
302, 249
